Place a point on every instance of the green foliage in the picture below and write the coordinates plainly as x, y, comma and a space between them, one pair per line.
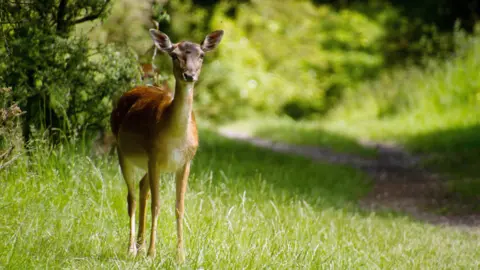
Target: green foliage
60, 81
299, 58
408, 35
10, 131
65, 80
273, 57
432, 111
276, 57
439, 87
110, 73
126, 25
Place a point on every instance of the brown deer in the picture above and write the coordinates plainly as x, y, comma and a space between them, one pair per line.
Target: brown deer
156, 131
148, 73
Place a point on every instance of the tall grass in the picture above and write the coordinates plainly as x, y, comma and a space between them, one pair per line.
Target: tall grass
437, 88
246, 208
432, 110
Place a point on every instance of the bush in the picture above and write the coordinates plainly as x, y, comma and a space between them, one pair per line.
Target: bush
438, 87
63, 83
60, 81
10, 131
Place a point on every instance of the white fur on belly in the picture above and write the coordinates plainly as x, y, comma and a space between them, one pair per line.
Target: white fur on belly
170, 159
171, 163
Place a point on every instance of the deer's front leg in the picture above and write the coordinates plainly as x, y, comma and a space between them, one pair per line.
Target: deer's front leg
181, 187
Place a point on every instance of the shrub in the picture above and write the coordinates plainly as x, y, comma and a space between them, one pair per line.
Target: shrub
63, 83
59, 80
437, 87
10, 129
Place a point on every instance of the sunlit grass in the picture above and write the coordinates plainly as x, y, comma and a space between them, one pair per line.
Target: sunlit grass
432, 111
246, 209
448, 142
312, 133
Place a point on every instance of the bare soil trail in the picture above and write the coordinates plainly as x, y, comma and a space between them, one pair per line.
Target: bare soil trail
399, 181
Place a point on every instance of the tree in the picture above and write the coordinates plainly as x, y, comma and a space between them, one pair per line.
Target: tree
57, 78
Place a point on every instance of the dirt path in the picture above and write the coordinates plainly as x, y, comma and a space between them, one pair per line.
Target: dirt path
399, 182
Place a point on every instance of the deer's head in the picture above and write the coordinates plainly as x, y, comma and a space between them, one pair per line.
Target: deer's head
187, 57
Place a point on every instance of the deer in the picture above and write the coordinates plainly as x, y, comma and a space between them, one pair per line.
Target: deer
156, 131
148, 73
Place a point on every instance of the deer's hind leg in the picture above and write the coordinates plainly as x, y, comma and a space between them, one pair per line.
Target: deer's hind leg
128, 175
144, 194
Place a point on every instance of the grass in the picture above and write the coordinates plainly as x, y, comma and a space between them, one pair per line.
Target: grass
300, 133
448, 142
449, 138
432, 111
246, 209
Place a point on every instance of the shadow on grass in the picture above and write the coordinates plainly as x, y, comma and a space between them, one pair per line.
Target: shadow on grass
455, 152
263, 173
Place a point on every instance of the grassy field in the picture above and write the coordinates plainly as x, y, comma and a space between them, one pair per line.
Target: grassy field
449, 143
312, 133
246, 209
432, 111
448, 140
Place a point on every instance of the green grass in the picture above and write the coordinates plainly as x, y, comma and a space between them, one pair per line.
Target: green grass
246, 208
432, 111
300, 133
448, 139
448, 142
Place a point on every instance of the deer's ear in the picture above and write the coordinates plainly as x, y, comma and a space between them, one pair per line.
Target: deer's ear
212, 40
161, 40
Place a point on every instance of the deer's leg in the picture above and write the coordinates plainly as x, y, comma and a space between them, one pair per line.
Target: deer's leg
181, 187
144, 194
127, 171
153, 177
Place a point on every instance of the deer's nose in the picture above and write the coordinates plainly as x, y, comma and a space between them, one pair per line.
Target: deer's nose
188, 77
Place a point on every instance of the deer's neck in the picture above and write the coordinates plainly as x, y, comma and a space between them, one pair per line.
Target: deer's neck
181, 108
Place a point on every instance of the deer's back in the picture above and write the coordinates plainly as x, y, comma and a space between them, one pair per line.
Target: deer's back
139, 109
140, 123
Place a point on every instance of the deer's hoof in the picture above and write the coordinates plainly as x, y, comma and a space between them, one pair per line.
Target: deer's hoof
141, 248
180, 256
132, 251
151, 253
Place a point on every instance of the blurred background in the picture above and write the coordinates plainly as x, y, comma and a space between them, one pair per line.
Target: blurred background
381, 70
362, 82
